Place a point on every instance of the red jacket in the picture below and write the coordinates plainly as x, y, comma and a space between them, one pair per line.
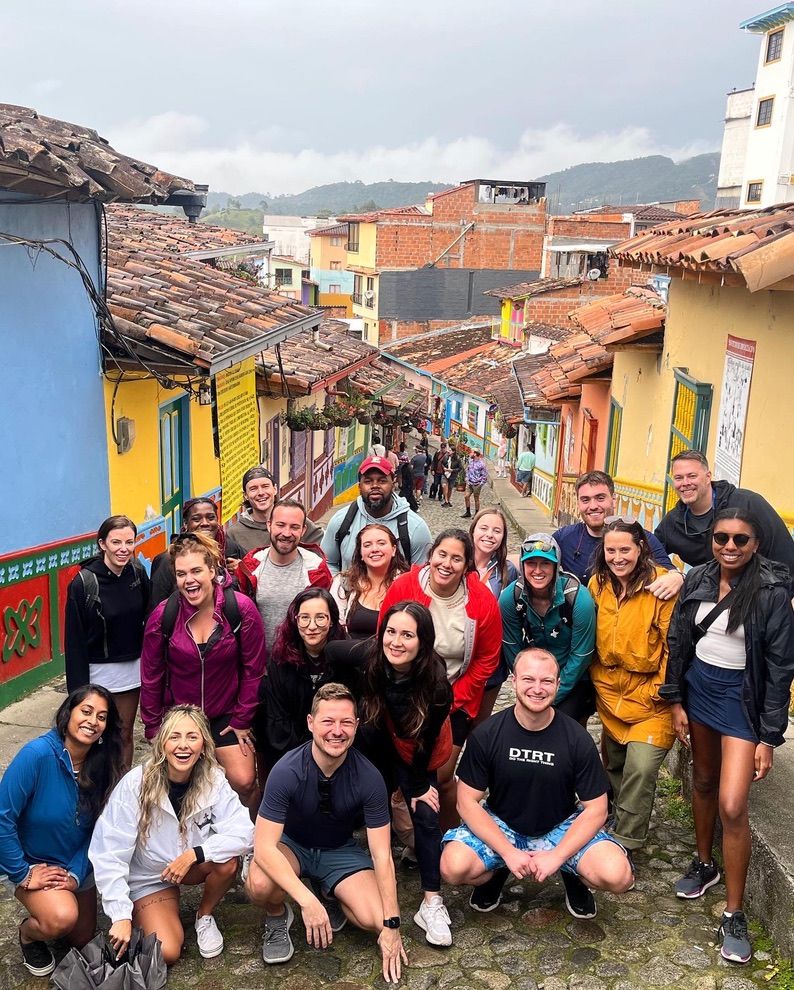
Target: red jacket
483, 633
315, 568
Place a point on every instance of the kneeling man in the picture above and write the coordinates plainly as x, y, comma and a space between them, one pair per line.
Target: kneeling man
547, 801
315, 797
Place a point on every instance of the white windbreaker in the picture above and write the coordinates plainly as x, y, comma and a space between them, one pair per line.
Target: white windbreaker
125, 870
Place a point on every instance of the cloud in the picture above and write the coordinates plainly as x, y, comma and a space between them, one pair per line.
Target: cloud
44, 87
173, 141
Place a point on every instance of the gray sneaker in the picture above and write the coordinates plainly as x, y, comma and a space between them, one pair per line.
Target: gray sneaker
277, 946
336, 916
697, 879
732, 934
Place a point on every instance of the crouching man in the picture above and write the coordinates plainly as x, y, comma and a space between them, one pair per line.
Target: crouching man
315, 797
547, 801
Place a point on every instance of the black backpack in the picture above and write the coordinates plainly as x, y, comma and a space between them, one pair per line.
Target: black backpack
231, 612
402, 530
571, 590
91, 590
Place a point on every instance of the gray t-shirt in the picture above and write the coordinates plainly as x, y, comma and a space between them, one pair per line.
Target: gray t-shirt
275, 588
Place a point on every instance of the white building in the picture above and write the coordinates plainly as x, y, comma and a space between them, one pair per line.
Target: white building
757, 163
291, 234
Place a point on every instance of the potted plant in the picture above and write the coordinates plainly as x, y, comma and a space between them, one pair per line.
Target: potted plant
299, 420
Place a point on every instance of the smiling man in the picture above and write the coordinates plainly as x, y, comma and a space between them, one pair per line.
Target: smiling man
547, 801
595, 496
686, 527
376, 503
315, 797
274, 575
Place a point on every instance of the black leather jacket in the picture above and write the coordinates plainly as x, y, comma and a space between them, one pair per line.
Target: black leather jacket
769, 639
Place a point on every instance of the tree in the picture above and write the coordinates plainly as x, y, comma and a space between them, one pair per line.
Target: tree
263, 205
234, 204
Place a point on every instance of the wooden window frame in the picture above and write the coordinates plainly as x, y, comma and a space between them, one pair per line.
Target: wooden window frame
777, 33
750, 184
763, 103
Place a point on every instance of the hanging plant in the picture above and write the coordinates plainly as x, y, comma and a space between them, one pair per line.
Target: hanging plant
509, 432
337, 414
364, 417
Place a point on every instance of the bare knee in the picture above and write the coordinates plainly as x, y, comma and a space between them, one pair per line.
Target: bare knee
734, 814
704, 783
227, 869
58, 920
457, 867
259, 888
172, 947
618, 876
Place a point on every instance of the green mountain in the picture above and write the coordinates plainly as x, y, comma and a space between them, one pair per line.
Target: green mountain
336, 197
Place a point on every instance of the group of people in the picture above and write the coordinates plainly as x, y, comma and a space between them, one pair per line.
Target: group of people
297, 685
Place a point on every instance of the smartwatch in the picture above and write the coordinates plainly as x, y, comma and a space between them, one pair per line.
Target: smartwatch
391, 922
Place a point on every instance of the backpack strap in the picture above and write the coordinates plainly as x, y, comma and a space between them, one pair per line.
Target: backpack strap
168, 624
344, 527
91, 590
404, 535
231, 611
571, 590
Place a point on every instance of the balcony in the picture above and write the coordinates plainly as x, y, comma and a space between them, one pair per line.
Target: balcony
369, 300
358, 299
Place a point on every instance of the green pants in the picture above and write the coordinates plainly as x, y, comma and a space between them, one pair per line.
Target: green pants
632, 771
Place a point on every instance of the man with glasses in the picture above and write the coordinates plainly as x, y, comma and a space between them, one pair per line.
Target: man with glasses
274, 575
686, 527
547, 801
595, 496
315, 798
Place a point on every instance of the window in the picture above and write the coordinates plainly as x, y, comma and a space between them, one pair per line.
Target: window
774, 46
689, 426
283, 276
336, 241
352, 237
334, 288
754, 192
357, 289
764, 116
336, 266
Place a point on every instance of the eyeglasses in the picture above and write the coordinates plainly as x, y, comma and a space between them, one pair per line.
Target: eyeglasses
739, 539
321, 620
324, 790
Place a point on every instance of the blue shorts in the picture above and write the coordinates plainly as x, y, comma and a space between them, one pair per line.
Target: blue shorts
329, 867
522, 477
525, 843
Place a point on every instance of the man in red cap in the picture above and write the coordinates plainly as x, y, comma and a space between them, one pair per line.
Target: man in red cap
376, 503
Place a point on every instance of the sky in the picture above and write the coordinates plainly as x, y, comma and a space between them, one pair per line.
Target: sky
254, 95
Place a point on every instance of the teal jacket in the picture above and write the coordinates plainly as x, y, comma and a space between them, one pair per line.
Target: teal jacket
572, 643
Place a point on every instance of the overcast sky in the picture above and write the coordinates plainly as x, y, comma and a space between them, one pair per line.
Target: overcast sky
276, 97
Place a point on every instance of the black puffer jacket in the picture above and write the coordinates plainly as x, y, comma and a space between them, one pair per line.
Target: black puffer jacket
769, 641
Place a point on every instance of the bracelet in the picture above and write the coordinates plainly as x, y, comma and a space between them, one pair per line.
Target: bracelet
25, 885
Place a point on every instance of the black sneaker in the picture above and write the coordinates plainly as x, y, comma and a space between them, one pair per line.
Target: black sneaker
337, 918
578, 897
488, 895
36, 956
734, 941
697, 879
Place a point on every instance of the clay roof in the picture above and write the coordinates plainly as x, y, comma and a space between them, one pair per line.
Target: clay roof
46, 157
644, 212
507, 396
754, 248
523, 290
622, 318
337, 230
396, 211
380, 374
307, 361
546, 330
172, 235
525, 368
443, 348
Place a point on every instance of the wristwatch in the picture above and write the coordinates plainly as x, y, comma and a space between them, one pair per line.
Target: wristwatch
391, 922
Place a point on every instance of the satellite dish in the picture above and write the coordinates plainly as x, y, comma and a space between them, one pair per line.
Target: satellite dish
594, 274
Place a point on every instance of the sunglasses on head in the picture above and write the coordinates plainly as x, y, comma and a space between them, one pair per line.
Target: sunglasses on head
544, 545
739, 539
626, 520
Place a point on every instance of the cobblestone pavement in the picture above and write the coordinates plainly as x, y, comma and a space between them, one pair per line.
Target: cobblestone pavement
644, 938
438, 518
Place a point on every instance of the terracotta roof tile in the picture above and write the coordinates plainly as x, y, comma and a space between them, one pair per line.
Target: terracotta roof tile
173, 234
755, 246
523, 290
396, 211
307, 360
43, 156
380, 374
337, 230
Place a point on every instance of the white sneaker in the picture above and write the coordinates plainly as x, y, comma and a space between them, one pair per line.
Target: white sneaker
209, 938
433, 918
245, 867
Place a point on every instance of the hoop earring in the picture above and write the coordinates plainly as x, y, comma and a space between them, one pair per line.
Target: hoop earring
99, 741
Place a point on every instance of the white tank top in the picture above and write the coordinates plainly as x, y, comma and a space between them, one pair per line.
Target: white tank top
717, 647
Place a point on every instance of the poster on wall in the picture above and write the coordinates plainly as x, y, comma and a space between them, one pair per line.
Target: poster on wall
238, 429
739, 359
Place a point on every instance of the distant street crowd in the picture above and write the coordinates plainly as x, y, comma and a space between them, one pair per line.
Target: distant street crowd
298, 686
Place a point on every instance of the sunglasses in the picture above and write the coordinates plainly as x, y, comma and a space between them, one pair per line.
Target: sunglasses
625, 520
321, 620
739, 539
324, 790
544, 545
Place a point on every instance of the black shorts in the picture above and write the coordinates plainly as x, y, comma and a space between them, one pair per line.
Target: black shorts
579, 703
217, 725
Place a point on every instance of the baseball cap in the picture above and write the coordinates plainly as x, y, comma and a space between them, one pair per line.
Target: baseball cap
375, 463
257, 472
540, 545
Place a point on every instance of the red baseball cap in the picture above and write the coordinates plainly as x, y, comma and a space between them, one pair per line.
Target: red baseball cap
375, 463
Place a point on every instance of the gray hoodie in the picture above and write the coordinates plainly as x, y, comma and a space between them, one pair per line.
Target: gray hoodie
417, 530
253, 535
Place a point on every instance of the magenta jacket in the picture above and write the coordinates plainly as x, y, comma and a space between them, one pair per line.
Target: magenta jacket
224, 682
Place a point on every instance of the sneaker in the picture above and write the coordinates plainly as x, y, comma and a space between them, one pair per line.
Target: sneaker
37, 958
245, 866
336, 916
210, 940
732, 934
697, 879
466, 515
433, 918
408, 859
488, 895
578, 897
277, 946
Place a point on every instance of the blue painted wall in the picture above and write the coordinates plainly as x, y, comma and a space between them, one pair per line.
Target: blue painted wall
52, 426
324, 278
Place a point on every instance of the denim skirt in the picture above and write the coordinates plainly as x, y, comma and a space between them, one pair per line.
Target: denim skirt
714, 699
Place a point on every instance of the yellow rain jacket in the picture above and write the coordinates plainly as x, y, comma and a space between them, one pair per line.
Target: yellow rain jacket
630, 664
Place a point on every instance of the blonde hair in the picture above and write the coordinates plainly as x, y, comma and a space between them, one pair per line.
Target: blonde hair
199, 543
154, 782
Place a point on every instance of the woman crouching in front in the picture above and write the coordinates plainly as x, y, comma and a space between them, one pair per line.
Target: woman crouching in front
174, 820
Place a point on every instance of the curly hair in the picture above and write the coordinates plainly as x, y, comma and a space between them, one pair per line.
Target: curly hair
288, 646
645, 569
154, 782
205, 546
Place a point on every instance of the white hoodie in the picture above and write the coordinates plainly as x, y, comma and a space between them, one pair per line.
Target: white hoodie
125, 870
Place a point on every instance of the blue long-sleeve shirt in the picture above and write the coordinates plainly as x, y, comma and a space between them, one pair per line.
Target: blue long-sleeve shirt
476, 471
571, 643
39, 820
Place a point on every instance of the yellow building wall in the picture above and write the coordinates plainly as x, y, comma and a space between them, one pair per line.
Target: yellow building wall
323, 252
699, 320
336, 299
135, 476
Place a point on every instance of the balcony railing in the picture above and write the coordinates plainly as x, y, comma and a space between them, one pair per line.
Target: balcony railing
369, 301
358, 299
